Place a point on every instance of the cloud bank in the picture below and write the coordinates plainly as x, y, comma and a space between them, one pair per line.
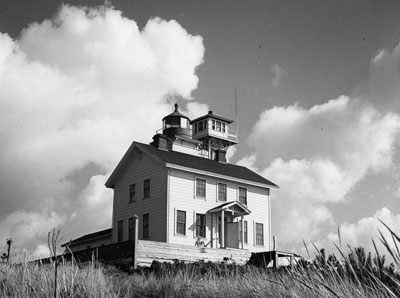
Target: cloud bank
74, 92
318, 155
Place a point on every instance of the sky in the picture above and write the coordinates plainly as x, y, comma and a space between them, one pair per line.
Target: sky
318, 100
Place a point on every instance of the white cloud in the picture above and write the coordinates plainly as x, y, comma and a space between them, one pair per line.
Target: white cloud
279, 74
78, 89
363, 232
324, 151
27, 228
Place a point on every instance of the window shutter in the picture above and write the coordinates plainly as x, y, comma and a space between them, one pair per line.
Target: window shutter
254, 233
194, 224
205, 221
174, 221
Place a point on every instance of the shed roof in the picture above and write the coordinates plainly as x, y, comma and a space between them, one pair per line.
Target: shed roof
91, 236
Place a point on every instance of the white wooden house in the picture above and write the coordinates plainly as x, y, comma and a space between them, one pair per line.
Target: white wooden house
184, 191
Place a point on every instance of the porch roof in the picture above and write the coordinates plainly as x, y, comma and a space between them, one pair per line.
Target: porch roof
235, 207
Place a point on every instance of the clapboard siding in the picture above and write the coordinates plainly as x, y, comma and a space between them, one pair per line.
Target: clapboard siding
182, 197
139, 168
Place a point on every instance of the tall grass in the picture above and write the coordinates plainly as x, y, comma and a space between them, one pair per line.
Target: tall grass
356, 278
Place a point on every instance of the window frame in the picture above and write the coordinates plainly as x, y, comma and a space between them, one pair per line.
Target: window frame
201, 224
225, 193
131, 228
240, 188
200, 126
259, 236
246, 232
199, 193
120, 231
132, 193
146, 226
181, 222
146, 188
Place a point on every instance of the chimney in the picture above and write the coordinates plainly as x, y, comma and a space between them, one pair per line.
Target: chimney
160, 141
220, 156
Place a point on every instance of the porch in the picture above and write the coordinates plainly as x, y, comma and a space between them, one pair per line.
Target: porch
231, 233
149, 251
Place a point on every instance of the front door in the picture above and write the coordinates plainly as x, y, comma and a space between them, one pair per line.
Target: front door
232, 234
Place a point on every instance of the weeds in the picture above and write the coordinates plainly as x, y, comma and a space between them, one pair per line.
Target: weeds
357, 275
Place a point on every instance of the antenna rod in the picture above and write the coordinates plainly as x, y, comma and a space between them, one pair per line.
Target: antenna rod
236, 115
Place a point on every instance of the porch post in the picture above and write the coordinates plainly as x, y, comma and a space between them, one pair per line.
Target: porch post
222, 228
212, 230
242, 232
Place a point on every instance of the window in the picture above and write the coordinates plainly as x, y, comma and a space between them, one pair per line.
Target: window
201, 126
146, 189
181, 222
145, 225
218, 125
131, 228
132, 193
243, 195
200, 188
200, 225
259, 234
120, 231
246, 239
195, 127
221, 192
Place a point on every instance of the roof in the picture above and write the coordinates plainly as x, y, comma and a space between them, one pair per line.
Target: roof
211, 115
232, 206
192, 162
99, 234
176, 113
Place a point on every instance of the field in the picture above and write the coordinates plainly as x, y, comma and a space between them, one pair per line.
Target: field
201, 280
358, 274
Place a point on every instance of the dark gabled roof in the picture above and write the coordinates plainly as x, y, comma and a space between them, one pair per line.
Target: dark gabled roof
205, 164
99, 234
211, 115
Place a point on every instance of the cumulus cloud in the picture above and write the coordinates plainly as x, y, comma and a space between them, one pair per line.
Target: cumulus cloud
279, 74
76, 90
364, 231
324, 151
318, 155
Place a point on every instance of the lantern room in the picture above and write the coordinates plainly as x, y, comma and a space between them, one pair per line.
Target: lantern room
176, 124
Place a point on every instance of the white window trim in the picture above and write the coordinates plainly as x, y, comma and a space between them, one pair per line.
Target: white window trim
217, 192
176, 225
151, 182
130, 201
238, 192
255, 234
195, 189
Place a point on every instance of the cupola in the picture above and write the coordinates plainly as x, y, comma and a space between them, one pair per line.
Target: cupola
176, 124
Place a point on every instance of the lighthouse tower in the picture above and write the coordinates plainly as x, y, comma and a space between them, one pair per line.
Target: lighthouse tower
208, 136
